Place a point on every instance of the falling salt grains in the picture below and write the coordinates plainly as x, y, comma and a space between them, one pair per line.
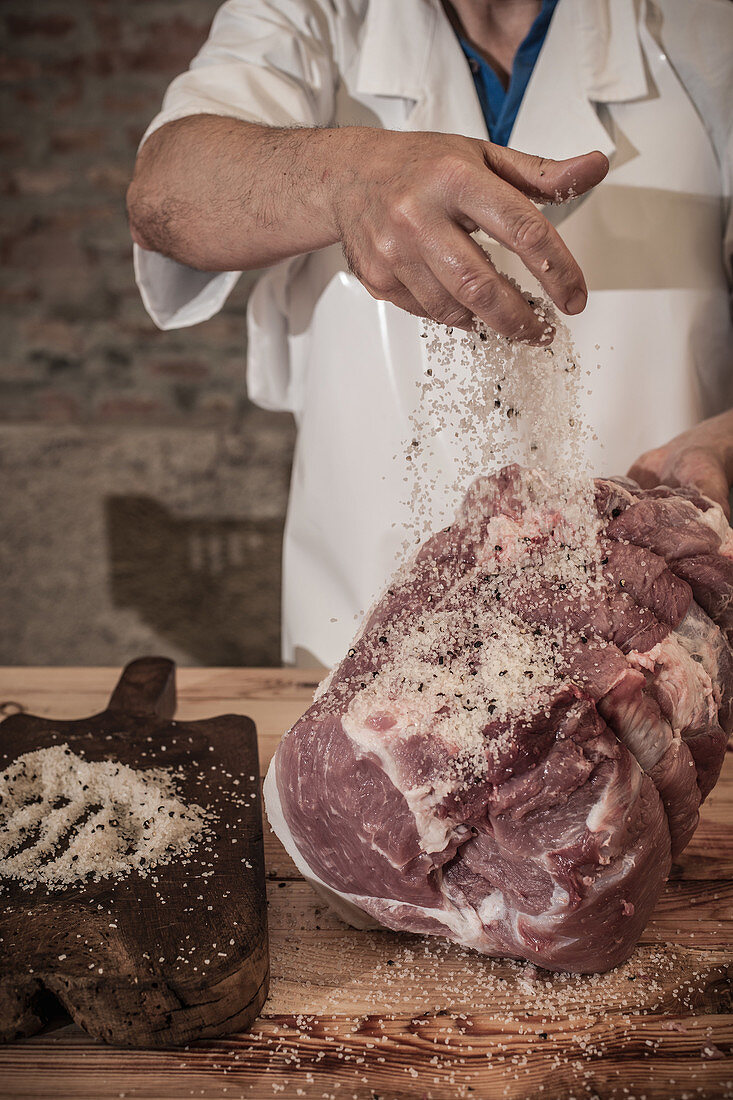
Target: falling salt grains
65, 819
485, 402
528, 536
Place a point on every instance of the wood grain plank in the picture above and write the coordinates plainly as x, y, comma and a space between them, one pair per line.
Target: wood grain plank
709, 854
382, 973
375, 1014
370, 1058
273, 698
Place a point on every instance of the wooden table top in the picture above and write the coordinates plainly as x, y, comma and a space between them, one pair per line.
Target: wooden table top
376, 1015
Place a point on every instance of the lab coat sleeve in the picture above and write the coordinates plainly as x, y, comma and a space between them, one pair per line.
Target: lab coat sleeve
266, 62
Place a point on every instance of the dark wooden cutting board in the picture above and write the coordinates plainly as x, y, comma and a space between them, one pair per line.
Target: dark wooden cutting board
147, 961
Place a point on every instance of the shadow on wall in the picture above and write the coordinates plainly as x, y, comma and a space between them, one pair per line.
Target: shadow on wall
205, 585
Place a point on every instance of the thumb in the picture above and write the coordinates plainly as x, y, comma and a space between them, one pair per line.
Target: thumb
647, 470
546, 180
705, 473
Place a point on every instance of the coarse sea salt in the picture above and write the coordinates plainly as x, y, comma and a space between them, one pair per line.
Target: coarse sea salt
488, 402
66, 820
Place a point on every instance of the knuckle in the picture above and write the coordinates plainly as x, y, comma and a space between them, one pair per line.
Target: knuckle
387, 248
406, 212
450, 169
695, 452
529, 231
642, 464
381, 285
452, 314
654, 461
479, 290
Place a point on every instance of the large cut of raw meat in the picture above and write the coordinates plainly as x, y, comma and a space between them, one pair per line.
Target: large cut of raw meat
519, 740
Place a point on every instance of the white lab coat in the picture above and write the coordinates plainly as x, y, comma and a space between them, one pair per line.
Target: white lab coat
650, 84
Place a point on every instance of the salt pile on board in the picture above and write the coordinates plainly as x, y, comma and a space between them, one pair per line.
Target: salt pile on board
64, 819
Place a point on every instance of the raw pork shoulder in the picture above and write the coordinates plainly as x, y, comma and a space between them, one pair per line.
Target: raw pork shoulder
510, 756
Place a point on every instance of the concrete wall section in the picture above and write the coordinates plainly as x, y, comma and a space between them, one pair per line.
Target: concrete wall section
143, 496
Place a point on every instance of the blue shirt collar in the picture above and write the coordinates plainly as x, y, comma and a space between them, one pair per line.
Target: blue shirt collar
500, 106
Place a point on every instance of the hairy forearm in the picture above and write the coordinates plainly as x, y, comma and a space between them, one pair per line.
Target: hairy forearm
220, 194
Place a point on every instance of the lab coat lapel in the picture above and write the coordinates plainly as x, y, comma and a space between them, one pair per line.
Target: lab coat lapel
396, 41
591, 55
448, 102
409, 50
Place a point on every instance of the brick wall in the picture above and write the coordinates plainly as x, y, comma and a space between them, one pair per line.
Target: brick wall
81, 361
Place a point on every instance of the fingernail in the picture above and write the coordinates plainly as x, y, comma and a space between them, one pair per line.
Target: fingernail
576, 302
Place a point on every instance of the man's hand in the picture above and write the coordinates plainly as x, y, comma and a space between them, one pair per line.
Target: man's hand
220, 194
701, 457
407, 208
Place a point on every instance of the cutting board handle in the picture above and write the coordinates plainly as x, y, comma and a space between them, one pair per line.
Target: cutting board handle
147, 686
